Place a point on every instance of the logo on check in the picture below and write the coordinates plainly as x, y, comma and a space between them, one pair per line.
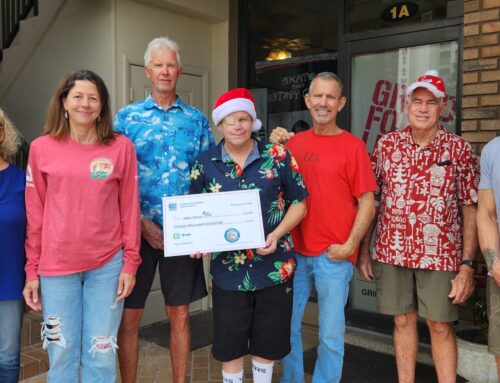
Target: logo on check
232, 235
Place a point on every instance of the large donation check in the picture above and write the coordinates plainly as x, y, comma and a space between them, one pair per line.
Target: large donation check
212, 222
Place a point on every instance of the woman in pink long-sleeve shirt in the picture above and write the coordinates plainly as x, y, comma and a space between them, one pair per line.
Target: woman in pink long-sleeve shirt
83, 230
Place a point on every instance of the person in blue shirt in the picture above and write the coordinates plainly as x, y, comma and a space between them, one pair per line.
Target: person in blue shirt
252, 289
168, 136
488, 226
12, 258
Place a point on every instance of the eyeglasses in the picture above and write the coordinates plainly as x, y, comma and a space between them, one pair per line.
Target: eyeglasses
230, 120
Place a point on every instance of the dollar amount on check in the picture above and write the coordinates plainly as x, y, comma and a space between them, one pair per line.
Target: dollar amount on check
212, 222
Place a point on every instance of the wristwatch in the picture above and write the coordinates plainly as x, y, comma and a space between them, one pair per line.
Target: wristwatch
469, 262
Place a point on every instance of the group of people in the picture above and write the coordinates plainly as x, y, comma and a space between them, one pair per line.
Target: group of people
92, 190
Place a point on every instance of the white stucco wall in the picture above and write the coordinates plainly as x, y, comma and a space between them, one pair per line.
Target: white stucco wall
79, 37
100, 34
208, 10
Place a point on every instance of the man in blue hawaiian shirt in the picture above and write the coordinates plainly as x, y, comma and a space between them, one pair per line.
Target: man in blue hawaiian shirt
168, 136
252, 289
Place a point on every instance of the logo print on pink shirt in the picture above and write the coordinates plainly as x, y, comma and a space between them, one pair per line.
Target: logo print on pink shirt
101, 168
29, 177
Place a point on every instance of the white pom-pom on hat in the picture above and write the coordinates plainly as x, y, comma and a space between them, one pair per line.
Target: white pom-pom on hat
432, 72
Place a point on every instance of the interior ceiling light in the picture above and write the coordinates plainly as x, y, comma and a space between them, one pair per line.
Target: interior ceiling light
279, 54
281, 48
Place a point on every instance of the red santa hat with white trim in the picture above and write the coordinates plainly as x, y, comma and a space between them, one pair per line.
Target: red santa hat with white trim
236, 100
430, 81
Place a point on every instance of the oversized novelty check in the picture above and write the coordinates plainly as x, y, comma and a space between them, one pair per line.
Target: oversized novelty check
212, 222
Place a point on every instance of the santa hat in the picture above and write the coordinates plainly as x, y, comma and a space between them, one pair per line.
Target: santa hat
430, 81
236, 100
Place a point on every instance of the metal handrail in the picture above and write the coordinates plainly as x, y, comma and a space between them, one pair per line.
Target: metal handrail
11, 14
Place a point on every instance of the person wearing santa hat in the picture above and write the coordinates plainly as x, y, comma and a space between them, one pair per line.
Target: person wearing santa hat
252, 289
425, 237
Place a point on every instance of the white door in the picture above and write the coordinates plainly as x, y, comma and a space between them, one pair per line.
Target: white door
189, 89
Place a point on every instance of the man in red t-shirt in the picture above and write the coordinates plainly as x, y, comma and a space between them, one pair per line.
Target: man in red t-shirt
428, 179
337, 172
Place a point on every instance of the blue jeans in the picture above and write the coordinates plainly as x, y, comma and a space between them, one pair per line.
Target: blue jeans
331, 280
81, 320
11, 321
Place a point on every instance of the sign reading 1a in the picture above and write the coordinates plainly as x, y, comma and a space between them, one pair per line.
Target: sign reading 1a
399, 11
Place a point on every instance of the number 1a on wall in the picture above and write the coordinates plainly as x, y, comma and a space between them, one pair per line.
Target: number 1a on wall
400, 12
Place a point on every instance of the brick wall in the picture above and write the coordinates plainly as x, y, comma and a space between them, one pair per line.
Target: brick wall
480, 97
481, 72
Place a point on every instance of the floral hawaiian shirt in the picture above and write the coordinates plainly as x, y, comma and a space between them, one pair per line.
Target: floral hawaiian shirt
422, 190
273, 171
167, 143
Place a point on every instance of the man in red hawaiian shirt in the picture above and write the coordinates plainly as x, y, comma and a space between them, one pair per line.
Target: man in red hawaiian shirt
428, 180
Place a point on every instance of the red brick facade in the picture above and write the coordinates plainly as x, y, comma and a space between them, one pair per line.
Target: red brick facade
481, 72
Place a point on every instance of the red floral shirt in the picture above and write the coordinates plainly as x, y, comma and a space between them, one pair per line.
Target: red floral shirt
422, 189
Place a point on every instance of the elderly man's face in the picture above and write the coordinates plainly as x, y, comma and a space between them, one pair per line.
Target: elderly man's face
163, 71
424, 109
324, 101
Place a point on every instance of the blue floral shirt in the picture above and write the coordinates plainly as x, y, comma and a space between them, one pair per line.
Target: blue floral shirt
274, 172
167, 143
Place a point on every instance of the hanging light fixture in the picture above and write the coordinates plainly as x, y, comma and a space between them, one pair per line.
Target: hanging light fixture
279, 54
284, 54
272, 55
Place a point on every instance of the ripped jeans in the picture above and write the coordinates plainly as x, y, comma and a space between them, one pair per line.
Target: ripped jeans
80, 323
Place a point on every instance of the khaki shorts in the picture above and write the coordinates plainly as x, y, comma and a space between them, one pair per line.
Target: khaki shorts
402, 290
493, 303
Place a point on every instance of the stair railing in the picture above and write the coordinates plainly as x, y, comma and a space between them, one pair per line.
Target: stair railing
11, 14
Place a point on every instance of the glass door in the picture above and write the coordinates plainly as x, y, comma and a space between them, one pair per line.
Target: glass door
376, 72
379, 81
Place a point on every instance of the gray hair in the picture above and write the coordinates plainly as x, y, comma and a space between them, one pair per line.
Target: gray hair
12, 138
161, 44
328, 76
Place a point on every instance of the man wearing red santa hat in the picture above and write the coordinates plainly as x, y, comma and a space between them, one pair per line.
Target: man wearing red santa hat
425, 233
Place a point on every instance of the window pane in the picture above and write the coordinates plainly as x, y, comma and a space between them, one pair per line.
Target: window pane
380, 79
289, 41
